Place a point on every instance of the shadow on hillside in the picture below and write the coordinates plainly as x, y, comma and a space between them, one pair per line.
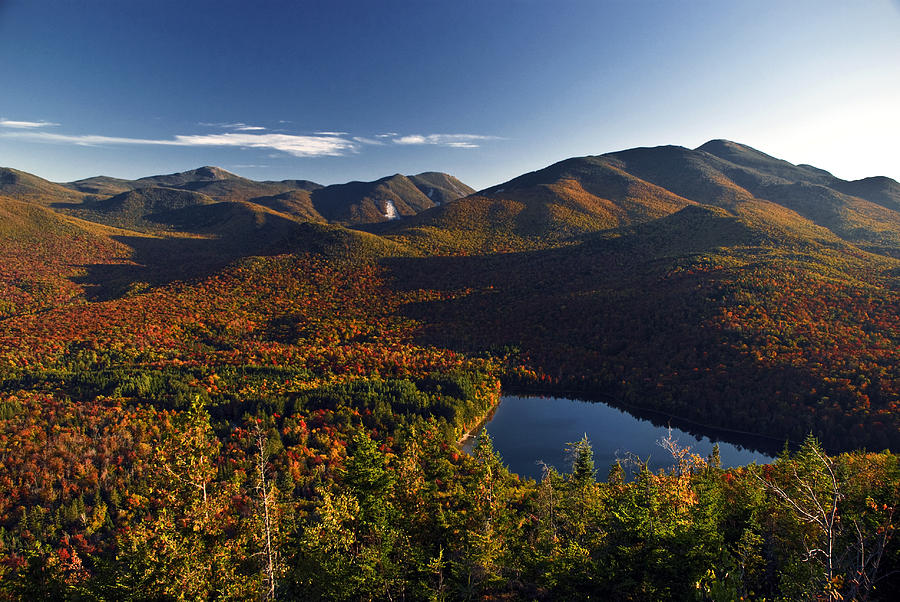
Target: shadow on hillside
634, 336
497, 300
577, 268
160, 261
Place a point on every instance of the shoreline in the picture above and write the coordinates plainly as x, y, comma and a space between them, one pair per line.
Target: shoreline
485, 418
763, 443
759, 442
648, 413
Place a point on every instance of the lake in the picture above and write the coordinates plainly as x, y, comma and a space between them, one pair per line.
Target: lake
526, 430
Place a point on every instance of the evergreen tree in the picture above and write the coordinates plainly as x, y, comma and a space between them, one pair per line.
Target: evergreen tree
582, 454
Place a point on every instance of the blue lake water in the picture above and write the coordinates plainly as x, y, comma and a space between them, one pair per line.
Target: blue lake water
526, 430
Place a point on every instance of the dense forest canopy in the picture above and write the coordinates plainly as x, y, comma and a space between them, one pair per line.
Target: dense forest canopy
212, 387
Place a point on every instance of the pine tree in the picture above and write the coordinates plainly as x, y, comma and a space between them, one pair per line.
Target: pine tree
582, 454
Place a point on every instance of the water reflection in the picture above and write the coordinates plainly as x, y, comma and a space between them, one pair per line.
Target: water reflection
528, 430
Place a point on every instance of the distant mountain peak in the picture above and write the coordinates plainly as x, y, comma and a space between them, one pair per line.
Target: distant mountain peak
719, 143
440, 187
730, 150
207, 173
723, 148
210, 172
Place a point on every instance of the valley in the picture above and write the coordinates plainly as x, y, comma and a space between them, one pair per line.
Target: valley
182, 355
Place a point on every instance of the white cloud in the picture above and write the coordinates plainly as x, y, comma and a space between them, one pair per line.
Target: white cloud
25, 125
451, 140
320, 144
240, 127
82, 140
298, 146
415, 139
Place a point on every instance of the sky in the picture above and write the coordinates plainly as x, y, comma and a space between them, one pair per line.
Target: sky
485, 90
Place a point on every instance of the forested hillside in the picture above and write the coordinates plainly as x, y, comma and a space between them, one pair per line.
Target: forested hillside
214, 388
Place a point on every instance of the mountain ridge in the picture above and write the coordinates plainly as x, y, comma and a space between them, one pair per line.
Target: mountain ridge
352, 203
580, 195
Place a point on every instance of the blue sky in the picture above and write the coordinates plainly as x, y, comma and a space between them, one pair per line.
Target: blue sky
485, 90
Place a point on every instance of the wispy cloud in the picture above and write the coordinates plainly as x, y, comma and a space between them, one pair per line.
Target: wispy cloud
239, 127
451, 140
319, 144
298, 146
25, 125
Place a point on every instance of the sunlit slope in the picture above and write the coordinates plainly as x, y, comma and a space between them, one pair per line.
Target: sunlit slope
543, 208
728, 174
297, 203
24, 186
563, 202
592, 185
44, 256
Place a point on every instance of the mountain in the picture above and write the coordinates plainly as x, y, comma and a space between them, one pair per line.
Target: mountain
136, 208
740, 154
182, 179
386, 199
737, 177
761, 325
297, 203
354, 203
592, 185
223, 185
866, 212
214, 182
43, 256
440, 187
24, 186
101, 185
660, 275
880, 190
152, 383
293, 184
567, 200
